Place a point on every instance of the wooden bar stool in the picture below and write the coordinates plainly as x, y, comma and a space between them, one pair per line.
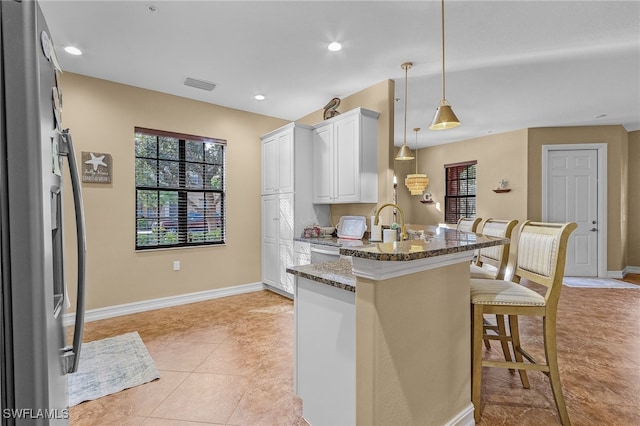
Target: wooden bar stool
491, 263
468, 224
541, 255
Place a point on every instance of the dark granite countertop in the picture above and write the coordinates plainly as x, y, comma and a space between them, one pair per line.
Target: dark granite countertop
434, 242
332, 241
337, 274
429, 241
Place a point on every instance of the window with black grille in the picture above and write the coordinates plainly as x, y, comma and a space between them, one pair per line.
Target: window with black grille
460, 195
180, 190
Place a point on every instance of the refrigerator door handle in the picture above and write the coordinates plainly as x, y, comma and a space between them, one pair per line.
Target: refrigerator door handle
71, 356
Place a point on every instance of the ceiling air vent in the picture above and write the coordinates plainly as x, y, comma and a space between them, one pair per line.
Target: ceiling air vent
199, 84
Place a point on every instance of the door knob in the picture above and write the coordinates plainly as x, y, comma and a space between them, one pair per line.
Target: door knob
593, 229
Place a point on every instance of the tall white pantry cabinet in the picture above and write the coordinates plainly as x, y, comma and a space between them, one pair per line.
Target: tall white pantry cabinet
286, 201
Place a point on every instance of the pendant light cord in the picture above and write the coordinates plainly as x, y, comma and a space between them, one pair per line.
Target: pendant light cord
406, 94
416, 130
443, 97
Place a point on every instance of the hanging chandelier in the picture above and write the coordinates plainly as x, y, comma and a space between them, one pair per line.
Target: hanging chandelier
416, 182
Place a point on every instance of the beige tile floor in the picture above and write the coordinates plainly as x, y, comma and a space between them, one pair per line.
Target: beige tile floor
229, 361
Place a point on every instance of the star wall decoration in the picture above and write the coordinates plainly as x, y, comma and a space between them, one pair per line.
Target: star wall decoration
96, 167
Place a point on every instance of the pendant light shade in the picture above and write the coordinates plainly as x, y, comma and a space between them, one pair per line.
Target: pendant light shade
444, 118
416, 182
405, 152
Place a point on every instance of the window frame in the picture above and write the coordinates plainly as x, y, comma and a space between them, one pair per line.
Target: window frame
191, 227
453, 193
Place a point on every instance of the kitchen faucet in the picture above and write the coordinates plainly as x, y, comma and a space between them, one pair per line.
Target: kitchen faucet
403, 230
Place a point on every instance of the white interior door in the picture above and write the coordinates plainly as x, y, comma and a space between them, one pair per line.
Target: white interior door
572, 196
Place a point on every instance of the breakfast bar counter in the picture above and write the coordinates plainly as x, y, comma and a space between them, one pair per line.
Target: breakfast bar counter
395, 347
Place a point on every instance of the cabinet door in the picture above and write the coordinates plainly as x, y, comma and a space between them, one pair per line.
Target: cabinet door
285, 241
270, 166
270, 234
277, 163
347, 160
323, 164
285, 162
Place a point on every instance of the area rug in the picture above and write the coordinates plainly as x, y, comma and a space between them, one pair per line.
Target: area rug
596, 283
110, 365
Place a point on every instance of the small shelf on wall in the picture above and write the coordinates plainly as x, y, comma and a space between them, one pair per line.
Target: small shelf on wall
499, 190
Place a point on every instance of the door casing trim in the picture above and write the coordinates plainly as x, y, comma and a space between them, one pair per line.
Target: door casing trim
601, 148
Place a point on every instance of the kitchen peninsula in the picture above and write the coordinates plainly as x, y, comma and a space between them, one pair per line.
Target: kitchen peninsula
384, 338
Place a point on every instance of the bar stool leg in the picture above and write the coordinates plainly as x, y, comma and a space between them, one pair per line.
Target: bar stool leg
476, 369
515, 341
551, 354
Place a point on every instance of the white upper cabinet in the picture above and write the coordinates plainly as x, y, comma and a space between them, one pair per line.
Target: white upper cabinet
345, 158
277, 161
322, 164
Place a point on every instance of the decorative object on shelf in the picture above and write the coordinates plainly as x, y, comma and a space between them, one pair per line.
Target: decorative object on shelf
426, 198
330, 109
405, 152
502, 187
444, 118
416, 182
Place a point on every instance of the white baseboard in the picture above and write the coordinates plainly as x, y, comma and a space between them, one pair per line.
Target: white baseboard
633, 269
278, 291
621, 274
463, 418
616, 274
163, 302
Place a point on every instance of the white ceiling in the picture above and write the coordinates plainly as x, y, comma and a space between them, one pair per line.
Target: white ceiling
509, 64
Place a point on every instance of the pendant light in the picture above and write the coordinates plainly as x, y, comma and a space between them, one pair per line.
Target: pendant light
444, 118
417, 182
405, 152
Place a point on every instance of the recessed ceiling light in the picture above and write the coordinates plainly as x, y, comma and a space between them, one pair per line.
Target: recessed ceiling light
72, 50
259, 97
334, 47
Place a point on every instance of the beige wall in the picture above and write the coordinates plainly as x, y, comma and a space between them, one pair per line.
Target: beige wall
500, 156
379, 98
102, 116
633, 242
517, 157
617, 141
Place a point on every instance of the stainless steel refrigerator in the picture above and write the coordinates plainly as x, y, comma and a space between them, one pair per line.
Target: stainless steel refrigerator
35, 356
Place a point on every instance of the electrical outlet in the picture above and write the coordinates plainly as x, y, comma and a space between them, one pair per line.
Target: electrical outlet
176, 265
